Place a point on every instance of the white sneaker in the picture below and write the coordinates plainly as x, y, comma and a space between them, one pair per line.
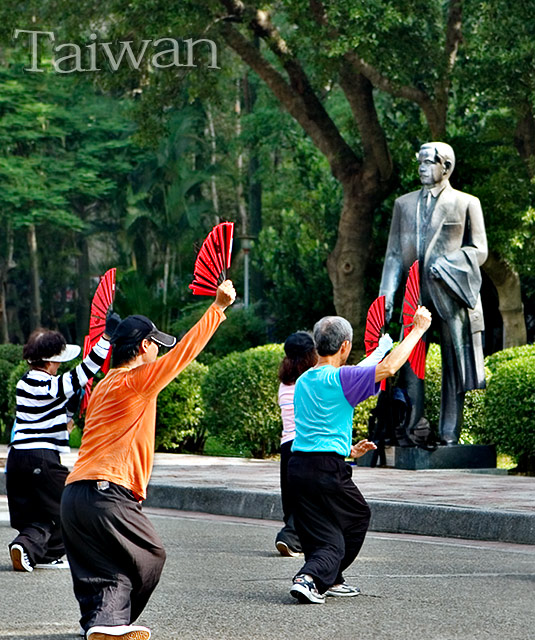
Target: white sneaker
19, 558
304, 590
59, 563
344, 590
124, 631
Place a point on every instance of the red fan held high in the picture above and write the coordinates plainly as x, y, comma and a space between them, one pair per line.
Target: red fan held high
411, 301
103, 298
375, 327
213, 260
375, 324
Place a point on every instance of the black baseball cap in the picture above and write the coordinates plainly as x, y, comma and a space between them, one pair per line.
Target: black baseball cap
298, 344
134, 329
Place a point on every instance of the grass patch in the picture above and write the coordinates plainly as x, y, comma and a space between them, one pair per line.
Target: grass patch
214, 447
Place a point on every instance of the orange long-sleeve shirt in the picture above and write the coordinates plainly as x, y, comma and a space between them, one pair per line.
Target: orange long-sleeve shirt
118, 440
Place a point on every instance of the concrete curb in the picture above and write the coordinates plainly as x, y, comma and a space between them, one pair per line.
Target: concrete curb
387, 516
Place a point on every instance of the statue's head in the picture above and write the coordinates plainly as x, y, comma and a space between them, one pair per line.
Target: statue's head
436, 162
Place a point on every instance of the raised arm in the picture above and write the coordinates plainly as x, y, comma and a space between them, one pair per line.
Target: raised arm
398, 356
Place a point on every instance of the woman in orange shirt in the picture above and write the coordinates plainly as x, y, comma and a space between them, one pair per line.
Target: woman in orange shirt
116, 556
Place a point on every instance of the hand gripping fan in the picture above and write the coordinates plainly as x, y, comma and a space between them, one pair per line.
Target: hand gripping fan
375, 326
103, 298
213, 260
411, 301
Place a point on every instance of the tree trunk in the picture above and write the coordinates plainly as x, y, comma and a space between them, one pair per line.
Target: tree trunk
84, 293
35, 308
507, 283
525, 139
6, 265
213, 161
348, 261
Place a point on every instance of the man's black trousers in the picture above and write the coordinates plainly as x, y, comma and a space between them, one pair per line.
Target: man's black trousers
331, 515
34, 481
116, 556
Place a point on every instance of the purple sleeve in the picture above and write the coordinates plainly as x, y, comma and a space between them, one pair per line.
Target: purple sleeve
358, 383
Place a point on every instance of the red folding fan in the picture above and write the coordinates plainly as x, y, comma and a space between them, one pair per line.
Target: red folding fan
375, 326
103, 298
411, 301
213, 260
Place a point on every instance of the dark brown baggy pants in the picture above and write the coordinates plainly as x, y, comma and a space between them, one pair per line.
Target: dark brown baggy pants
331, 516
116, 556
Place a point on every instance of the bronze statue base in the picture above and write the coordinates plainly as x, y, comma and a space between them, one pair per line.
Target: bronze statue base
458, 456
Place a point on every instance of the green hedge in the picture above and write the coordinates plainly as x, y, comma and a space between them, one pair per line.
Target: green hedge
496, 359
179, 418
243, 329
11, 352
510, 407
240, 395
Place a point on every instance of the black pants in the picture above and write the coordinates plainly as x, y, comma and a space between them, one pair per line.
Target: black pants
35, 479
116, 556
287, 534
331, 515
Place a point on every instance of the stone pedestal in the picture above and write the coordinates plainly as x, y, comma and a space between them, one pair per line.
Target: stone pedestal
459, 456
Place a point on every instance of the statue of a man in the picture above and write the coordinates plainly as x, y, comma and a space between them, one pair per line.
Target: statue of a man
444, 230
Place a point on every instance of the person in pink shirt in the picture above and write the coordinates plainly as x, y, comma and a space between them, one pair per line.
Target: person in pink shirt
300, 355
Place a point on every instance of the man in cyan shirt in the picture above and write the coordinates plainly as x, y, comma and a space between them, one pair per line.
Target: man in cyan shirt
331, 515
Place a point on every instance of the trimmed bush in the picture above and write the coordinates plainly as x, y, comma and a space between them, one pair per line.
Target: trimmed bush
433, 384
510, 409
11, 352
361, 417
16, 374
243, 329
240, 395
180, 412
6, 419
496, 359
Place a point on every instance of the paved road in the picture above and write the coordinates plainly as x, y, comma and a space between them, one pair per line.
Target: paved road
223, 580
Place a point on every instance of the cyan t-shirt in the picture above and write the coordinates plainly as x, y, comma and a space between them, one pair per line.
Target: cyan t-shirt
324, 401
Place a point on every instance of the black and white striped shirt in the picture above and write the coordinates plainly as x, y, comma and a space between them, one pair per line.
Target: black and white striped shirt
41, 417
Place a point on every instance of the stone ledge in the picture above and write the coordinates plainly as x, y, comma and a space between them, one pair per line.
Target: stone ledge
459, 456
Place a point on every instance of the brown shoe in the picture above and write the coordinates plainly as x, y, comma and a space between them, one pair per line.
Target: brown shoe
121, 632
19, 558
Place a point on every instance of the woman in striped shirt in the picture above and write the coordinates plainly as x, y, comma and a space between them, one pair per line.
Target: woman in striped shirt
35, 476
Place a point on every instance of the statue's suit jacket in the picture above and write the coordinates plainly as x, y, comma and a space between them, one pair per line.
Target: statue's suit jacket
455, 244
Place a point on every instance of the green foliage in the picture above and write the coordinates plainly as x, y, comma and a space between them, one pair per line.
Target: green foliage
361, 417
293, 260
6, 419
240, 395
497, 359
11, 352
474, 401
433, 384
15, 375
510, 407
243, 329
75, 438
180, 413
